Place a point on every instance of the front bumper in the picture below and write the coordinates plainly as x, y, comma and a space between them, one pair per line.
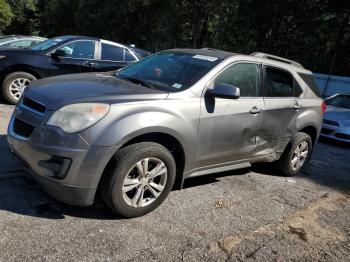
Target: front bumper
339, 133
78, 183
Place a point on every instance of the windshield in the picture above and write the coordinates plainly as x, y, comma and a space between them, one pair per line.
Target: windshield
49, 43
171, 71
342, 101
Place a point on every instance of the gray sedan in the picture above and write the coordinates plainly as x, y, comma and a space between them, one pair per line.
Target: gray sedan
336, 122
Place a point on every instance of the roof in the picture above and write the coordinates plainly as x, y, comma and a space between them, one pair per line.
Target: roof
205, 51
261, 56
69, 37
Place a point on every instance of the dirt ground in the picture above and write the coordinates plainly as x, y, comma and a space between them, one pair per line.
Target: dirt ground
245, 215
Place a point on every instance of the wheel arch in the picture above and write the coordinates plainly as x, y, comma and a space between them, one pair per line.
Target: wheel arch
311, 130
20, 68
169, 141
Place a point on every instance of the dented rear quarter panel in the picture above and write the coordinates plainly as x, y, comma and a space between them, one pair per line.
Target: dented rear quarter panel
280, 122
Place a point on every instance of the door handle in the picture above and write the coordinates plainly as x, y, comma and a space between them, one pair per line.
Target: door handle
296, 107
254, 110
88, 63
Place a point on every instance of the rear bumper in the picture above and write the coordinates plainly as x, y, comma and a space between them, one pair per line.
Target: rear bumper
339, 133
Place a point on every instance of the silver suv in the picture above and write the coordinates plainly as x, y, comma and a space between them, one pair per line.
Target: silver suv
137, 133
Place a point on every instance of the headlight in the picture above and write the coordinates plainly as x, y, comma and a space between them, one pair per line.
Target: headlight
2, 56
76, 117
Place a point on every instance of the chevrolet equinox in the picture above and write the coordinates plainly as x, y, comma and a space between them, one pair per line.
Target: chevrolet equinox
136, 133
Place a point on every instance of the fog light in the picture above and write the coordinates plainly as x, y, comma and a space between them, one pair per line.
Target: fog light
59, 166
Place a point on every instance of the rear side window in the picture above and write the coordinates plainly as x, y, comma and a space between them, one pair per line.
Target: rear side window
278, 83
112, 53
128, 56
310, 81
297, 89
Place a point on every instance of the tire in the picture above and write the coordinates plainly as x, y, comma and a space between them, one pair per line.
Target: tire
18, 80
285, 163
117, 179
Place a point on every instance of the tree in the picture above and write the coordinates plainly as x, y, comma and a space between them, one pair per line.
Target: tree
5, 15
24, 19
312, 32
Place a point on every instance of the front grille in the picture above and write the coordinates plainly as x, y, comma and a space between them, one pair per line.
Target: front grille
31, 104
330, 122
22, 128
326, 131
342, 136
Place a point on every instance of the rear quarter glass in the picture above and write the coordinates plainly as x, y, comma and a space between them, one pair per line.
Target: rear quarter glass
310, 81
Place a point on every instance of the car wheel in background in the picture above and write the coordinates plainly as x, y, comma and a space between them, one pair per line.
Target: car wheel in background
14, 84
296, 155
141, 179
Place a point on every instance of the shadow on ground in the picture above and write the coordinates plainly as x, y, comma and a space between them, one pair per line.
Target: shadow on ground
20, 194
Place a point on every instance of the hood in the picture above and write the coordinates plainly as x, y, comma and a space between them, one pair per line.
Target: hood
55, 92
337, 113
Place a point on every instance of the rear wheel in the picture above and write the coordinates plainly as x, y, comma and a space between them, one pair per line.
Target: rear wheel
296, 155
14, 84
142, 178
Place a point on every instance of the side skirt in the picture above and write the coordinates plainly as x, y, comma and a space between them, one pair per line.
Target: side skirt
219, 169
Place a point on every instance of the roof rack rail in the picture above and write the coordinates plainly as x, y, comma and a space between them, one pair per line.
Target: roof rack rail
277, 58
209, 48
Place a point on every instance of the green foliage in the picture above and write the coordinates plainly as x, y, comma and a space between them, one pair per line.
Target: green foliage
5, 15
313, 32
24, 20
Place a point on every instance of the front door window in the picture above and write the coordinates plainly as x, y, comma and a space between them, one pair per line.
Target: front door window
79, 49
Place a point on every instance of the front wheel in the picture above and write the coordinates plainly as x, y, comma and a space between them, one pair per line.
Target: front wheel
14, 84
140, 181
296, 155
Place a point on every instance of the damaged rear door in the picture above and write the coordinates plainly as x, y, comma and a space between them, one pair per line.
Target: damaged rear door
280, 111
228, 127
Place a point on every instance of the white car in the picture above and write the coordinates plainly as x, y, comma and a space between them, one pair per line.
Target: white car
20, 41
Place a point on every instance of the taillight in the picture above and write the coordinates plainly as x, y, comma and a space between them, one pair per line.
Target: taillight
323, 106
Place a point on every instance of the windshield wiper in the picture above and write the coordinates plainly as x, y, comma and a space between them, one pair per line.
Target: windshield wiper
136, 81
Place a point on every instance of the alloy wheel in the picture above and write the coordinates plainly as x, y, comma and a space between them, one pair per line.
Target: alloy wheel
17, 87
144, 182
300, 155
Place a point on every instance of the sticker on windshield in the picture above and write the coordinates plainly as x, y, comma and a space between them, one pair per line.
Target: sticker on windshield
204, 57
177, 86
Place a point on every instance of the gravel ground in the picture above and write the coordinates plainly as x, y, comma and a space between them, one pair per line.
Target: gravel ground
249, 214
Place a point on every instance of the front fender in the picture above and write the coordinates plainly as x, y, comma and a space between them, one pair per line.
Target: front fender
130, 120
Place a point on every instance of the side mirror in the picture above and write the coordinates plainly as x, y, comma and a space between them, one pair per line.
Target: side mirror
58, 53
225, 91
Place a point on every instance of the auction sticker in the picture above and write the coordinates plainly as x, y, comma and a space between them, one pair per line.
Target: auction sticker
204, 57
177, 86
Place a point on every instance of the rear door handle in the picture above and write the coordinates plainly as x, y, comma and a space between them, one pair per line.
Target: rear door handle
296, 107
255, 110
88, 63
